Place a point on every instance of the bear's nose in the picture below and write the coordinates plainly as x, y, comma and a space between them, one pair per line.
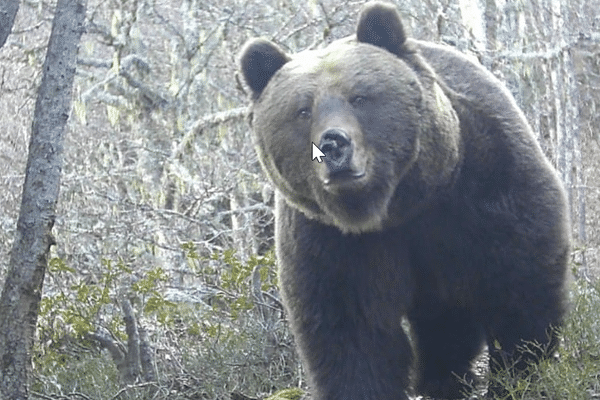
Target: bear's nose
337, 147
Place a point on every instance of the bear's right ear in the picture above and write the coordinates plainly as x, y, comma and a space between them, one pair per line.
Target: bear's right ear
259, 61
379, 24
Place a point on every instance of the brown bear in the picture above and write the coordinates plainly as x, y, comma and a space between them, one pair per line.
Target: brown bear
434, 203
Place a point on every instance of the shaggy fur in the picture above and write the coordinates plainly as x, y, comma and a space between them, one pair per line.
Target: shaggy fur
435, 203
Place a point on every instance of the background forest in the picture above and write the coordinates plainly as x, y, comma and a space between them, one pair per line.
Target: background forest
162, 283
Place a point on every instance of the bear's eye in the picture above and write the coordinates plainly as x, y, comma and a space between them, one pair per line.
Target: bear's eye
358, 101
304, 113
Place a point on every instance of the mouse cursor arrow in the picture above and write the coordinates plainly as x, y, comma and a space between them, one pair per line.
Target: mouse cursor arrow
317, 153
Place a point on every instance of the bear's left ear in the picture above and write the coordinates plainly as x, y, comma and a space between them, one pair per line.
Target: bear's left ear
259, 61
379, 24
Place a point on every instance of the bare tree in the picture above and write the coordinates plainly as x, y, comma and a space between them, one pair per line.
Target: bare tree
23, 286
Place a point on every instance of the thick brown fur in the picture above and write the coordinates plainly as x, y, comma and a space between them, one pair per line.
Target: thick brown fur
434, 203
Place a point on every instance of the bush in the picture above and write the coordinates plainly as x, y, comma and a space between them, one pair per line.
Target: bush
226, 334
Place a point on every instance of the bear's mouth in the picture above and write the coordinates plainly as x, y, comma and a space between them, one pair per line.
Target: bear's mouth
344, 178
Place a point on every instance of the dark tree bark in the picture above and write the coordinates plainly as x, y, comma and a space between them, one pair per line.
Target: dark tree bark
8, 11
23, 287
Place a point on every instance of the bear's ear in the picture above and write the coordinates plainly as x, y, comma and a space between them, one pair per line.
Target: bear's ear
259, 61
379, 24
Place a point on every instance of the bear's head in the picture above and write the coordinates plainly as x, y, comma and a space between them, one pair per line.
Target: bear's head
390, 135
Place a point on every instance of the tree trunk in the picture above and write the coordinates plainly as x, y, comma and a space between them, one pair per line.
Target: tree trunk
23, 287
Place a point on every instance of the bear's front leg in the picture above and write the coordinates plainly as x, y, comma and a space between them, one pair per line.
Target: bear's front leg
344, 298
351, 362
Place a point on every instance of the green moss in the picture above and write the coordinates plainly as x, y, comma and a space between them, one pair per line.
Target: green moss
287, 394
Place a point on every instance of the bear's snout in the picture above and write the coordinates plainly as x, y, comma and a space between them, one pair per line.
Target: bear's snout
338, 149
